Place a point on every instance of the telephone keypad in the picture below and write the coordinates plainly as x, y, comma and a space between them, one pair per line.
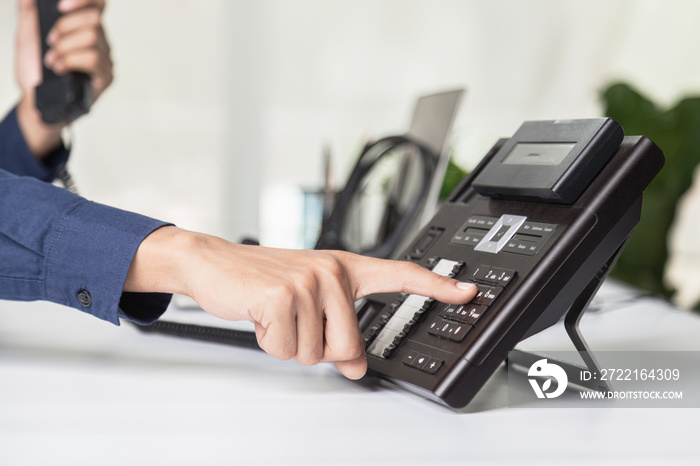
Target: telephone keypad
404, 314
452, 324
455, 321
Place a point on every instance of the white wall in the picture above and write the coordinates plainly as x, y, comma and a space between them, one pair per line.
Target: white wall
219, 106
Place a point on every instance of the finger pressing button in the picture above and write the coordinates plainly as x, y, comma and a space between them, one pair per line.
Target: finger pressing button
84, 298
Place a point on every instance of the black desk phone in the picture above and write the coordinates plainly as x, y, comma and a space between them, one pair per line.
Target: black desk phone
537, 226
60, 99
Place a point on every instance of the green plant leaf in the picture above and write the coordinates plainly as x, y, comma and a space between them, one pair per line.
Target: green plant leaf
677, 132
453, 176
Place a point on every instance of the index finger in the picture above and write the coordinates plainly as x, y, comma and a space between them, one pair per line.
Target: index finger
369, 275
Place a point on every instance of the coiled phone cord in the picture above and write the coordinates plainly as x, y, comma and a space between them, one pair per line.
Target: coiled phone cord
231, 337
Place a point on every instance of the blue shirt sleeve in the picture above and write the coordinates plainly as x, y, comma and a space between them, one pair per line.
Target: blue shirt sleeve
15, 156
59, 247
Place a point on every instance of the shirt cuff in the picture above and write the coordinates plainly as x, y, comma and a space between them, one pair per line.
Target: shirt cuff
20, 160
89, 259
143, 308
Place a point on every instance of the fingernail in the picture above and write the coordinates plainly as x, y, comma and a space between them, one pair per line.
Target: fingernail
51, 37
466, 286
49, 58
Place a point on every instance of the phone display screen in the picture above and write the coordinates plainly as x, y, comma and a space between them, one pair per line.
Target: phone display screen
549, 154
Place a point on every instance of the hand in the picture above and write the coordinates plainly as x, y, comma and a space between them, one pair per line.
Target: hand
301, 302
78, 43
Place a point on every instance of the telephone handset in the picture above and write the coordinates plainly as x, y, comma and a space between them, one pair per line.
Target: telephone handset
537, 226
60, 99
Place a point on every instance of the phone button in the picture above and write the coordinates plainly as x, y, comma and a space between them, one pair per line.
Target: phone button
432, 366
467, 313
536, 228
492, 275
486, 294
480, 273
445, 329
504, 276
420, 361
473, 313
481, 221
522, 246
459, 332
410, 357
423, 244
434, 328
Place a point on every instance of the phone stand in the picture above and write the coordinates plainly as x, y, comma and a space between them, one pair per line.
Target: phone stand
523, 360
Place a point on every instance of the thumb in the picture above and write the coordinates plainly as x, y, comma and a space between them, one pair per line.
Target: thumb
27, 11
28, 53
370, 275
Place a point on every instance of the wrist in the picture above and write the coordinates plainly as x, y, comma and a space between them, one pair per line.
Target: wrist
42, 139
162, 262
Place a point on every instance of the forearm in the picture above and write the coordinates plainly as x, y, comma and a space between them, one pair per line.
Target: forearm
17, 157
59, 247
42, 139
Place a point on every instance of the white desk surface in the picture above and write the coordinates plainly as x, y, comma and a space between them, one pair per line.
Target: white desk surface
78, 391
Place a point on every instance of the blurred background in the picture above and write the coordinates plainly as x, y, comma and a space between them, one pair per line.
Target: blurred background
221, 109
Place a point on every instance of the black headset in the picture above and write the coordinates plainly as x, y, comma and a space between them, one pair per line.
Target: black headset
332, 227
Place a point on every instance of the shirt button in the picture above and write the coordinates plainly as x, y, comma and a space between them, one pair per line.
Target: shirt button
84, 298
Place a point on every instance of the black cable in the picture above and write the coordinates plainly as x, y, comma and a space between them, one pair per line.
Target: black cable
240, 338
64, 176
